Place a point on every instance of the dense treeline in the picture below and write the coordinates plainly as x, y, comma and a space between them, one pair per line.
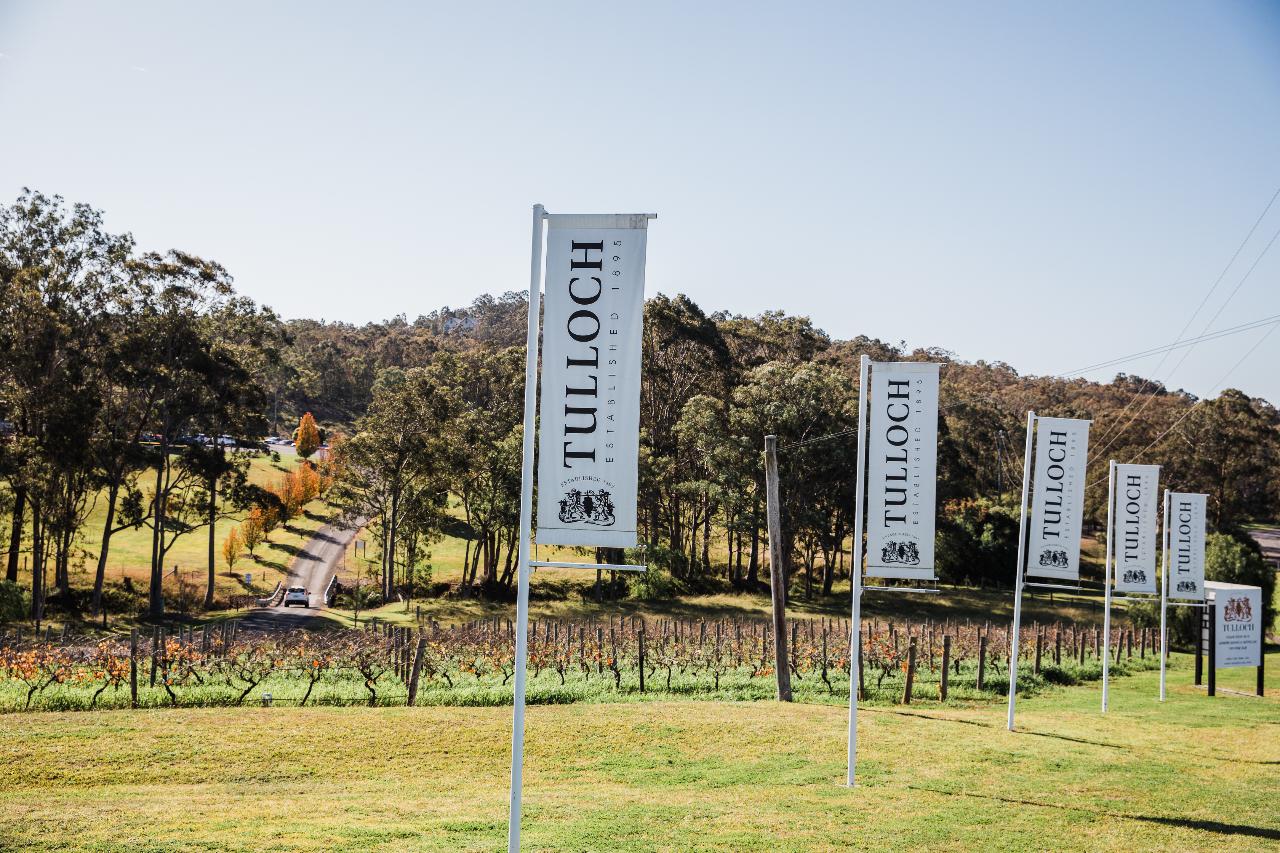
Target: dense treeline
110, 358
713, 385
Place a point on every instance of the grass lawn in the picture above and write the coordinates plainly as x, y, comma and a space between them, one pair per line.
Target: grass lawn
1192, 773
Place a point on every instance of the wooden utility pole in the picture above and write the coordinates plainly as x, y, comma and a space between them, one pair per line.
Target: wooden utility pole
777, 569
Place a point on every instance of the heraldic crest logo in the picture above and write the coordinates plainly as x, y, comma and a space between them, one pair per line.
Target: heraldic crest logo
591, 507
1186, 586
1135, 576
1237, 610
905, 553
1055, 557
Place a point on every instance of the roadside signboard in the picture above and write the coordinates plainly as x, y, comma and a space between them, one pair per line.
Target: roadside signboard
1238, 625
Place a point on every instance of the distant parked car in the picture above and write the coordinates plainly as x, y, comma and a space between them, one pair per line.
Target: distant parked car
226, 441
297, 595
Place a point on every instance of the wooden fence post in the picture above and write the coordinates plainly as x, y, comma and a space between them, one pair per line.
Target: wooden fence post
946, 660
133, 668
911, 671
1039, 650
982, 660
155, 648
640, 655
417, 669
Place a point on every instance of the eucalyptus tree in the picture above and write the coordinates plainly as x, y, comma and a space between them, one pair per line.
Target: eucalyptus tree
812, 409
62, 275
684, 355
194, 378
244, 342
482, 446
1229, 448
390, 471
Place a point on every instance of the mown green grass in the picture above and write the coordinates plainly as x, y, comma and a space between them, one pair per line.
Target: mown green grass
1190, 773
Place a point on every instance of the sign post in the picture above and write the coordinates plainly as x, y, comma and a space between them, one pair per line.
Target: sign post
1235, 628
897, 473
589, 446
1106, 580
1021, 568
526, 513
1164, 597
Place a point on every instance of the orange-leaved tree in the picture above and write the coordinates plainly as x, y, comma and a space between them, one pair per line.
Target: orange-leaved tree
306, 438
231, 548
253, 530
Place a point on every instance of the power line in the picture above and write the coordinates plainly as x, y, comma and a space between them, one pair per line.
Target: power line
1272, 321
1116, 431
1178, 344
1192, 407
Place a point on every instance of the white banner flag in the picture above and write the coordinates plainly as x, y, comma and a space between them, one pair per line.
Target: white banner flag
590, 424
1186, 546
1057, 506
902, 469
1134, 551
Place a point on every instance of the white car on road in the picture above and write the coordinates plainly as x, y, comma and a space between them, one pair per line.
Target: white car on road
297, 595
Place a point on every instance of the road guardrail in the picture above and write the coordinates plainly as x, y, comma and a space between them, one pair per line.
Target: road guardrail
270, 600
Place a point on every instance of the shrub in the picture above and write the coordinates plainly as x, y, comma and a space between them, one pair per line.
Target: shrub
657, 582
14, 602
977, 541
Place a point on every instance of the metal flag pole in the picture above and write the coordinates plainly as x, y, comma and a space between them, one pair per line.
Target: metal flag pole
1022, 563
1164, 595
526, 520
855, 569
1106, 580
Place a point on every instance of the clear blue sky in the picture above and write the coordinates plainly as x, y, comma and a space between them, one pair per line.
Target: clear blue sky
1045, 184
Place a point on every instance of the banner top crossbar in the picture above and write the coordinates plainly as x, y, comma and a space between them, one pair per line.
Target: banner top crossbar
899, 589
609, 567
599, 220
